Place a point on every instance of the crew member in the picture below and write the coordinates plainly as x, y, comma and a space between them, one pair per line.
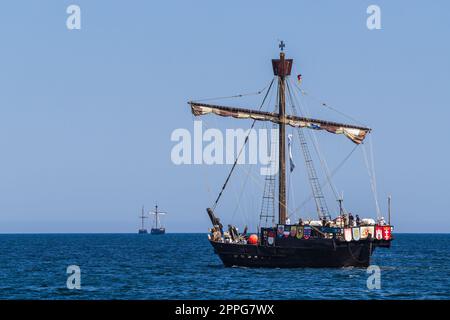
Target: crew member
358, 221
351, 219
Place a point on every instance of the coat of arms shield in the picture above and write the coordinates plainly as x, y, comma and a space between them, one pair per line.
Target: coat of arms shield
348, 234
293, 231
287, 231
356, 233
306, 232
365, 231
280, 230
299, 234
379, 233
386, 232
271, 238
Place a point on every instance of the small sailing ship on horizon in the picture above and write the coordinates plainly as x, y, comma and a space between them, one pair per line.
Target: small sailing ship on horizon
157, 228
142, 230
340, 242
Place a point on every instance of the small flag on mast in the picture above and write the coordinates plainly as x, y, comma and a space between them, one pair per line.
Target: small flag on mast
291, 160
299, 78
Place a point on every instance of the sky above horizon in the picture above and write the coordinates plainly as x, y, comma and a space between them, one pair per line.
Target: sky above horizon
86, 116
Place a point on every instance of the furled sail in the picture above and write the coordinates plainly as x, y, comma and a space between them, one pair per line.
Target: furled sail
355, 133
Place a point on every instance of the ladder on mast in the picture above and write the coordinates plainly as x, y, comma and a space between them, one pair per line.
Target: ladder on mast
268, 200
321, 205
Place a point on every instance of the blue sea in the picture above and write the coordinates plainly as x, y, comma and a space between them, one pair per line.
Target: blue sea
183, 266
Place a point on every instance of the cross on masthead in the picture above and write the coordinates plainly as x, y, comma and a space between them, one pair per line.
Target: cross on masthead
281, 45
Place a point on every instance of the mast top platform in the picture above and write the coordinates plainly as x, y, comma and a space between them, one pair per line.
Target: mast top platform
282, 67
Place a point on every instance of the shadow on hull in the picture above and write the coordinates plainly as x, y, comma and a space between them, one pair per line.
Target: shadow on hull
312, 253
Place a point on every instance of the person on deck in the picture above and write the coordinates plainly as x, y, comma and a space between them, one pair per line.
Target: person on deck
358, 220
345, 218
220, 225
300, 222
288, 221
351, 219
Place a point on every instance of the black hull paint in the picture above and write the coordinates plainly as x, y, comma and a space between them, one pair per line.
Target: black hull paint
158, 231
311, 253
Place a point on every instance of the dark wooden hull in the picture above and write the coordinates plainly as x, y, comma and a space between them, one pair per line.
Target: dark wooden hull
157, 231
311, 253
142, 231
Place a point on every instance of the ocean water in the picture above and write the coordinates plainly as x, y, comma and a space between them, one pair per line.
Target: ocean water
183, 266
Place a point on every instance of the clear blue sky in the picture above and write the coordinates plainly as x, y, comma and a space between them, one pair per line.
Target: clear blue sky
86, 116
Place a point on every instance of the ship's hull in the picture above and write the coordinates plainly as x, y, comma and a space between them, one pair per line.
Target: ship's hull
142, 231
157, 231
312, 253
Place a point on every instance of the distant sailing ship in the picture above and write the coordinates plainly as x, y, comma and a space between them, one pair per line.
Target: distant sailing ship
339, 242
142, 230
157, 227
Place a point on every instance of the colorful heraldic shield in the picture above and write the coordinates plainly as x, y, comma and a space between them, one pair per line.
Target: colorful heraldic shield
356, 233
271, 238
387, 232
379, 233
299, 234
293, 231
280, 230
365, 231
348, 234
306, 232
287, 231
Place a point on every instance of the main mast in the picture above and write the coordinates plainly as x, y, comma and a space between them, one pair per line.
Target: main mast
156, 216
142, 218
282, 68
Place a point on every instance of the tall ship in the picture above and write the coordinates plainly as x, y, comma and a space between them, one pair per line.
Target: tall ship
157, 227
142, 230
342, 241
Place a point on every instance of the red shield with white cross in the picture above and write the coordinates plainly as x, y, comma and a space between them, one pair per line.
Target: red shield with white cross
386, 232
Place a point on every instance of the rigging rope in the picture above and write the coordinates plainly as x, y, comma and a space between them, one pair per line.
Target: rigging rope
208, 189
321, 204
325, 182
326, 105
322, 159
236, 95
267, 209
370, 165
291, 196
239, 199
259, 184
372, 178
242, 148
